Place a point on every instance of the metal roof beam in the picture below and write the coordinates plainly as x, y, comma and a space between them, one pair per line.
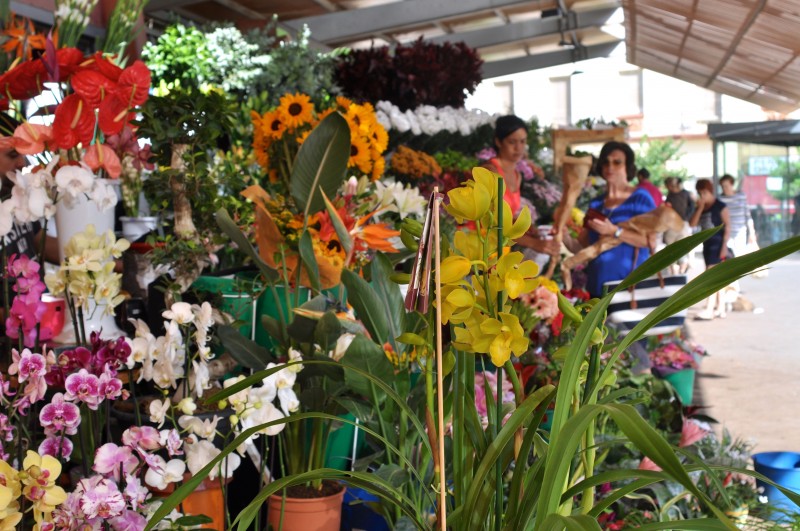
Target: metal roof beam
353, 24
528, 29
543, 60
168, 5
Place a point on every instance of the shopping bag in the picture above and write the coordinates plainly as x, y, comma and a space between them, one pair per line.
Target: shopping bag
629, 306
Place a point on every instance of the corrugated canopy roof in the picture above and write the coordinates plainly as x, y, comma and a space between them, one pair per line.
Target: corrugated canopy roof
743, 48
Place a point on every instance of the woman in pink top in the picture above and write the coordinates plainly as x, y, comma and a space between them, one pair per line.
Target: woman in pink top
511, 143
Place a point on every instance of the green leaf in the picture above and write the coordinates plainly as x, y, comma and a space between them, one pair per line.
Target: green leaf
389, 293
338, 225
193, 520
229, 227
246, 352
580, 522
392, 474
369, 307
309, 260
411, 339
368, 356
327, 331
321, 164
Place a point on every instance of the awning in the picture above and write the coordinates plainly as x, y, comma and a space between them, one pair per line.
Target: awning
776, 133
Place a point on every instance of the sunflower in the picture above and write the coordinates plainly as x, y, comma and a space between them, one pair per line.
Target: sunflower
303, 136
296, 110
378, 168
343, 103
359, 154
359, 119
379, 138
273, 124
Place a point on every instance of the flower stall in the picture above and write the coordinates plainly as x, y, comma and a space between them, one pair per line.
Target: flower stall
387, 351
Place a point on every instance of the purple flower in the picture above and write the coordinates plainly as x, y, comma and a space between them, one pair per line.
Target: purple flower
110, 387
85, 387
110, 459
60, 415
135, 493
57, 446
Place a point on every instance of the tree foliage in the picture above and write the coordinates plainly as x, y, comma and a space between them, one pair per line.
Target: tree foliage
654, 155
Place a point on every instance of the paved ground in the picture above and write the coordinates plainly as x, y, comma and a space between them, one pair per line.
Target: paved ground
751, 380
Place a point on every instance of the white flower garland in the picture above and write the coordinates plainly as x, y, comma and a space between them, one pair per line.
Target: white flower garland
430, 120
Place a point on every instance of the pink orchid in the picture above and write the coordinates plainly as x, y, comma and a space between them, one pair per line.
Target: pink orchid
102, 499
22, 266
56, 446
142, 437
23, 317
60, 415
110, 458
27, 364
110, 387
691, 432
171, 440
135, 493
85, 387
129, 521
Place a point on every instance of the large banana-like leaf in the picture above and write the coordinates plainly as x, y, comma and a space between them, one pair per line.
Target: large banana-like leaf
389, 293
368, 306
230, 228
321, 164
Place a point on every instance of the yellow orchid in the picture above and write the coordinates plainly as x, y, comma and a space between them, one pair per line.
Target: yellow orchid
10, 490
39, 477
468, 203
454, 268
466, 336
502, 337
486, 180
514, 275
469, 244
514, 229
458, 300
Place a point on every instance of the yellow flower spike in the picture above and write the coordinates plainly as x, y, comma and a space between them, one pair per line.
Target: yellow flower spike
514, 275
516, 229
468, 203
454, 269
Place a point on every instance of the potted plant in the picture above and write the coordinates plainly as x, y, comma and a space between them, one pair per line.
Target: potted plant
675, 360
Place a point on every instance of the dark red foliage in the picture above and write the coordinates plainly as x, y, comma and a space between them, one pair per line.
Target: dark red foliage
419, 73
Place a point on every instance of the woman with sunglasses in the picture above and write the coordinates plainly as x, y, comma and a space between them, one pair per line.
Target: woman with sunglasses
621, 202
511, 144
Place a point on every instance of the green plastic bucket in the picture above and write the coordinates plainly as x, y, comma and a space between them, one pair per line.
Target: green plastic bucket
234, 296
683, 383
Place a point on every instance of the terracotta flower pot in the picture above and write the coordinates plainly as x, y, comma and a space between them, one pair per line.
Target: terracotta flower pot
306, 514
207, 499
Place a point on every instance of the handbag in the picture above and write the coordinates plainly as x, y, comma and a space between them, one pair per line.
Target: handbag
629, 306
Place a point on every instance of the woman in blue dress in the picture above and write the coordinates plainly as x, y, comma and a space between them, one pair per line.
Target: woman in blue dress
621, 202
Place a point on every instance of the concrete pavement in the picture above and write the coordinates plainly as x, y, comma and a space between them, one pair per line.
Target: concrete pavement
750, 382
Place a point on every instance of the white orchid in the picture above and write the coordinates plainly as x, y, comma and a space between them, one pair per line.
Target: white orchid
295, 355
199, 453
6, 217
164, 473
203, 316
180, 312
103, 195
201, 377
158, 411
205, 429
74, 181
187, 405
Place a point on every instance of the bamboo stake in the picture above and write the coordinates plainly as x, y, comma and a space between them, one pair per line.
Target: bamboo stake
439, 364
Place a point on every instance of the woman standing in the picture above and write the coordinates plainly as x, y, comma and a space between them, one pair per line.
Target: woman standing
511, 143
620, 203
710, 213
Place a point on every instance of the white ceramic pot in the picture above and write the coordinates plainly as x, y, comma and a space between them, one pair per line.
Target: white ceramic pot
72, 217
94, 320
134, 228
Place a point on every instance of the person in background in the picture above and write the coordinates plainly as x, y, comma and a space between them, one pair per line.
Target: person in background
643, 175
620, 203
743, 230
710, 213
511, 143
681, 202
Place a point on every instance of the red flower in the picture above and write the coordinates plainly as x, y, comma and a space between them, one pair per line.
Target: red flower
113, 115
74, 123
24, 81
32, 139
68, 61
134, 84
92, 86
555, 326
100, 64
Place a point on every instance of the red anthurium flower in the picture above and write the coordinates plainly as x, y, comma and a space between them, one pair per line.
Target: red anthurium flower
102, 156
74, 123
32, 139
134, 84
24, 81
99, 63
92, 86
69, 60
113, 115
